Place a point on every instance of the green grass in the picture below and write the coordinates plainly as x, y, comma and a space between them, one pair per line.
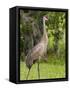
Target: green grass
53, 68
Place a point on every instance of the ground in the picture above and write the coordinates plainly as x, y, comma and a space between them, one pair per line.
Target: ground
53, 68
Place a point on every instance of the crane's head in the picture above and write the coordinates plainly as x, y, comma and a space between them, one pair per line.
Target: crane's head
45, 18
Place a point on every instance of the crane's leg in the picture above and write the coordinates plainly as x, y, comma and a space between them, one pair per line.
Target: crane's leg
28, 74
38, 69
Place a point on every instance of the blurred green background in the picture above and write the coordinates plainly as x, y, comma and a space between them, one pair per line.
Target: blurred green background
31, 31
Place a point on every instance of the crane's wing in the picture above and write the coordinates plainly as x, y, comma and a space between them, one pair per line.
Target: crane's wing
36, 51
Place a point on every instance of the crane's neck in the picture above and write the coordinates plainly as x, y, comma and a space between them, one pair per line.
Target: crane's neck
45, 37
44, 27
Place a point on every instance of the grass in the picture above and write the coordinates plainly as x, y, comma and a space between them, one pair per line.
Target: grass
53, 68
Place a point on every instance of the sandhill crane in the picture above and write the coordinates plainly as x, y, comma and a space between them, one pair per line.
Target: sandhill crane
38, 50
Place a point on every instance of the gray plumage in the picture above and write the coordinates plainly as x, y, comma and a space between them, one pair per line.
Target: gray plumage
38, 50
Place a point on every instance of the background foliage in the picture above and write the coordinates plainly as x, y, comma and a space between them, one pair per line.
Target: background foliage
31, 31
